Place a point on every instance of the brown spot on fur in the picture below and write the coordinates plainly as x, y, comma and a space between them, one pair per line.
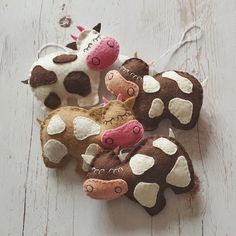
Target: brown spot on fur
52, 101
72, 46
64, 58
78, 82
41, 76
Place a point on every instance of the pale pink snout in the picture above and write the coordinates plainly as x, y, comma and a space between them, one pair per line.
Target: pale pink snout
105, 189
104, 55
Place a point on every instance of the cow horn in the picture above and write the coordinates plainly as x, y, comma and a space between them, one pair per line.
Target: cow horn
97, 27
119, 97
80, 28
74, 37
171, 133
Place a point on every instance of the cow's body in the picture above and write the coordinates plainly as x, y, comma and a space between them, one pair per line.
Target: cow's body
174, 95
56, 77
157, 163
68, 131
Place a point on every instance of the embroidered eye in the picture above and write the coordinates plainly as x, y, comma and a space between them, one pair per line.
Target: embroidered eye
108, 121
122, 116
88, 47
97, 38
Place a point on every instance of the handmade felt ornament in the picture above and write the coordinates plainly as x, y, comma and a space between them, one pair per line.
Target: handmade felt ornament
58, 76
69, 132
174, 95
156, 163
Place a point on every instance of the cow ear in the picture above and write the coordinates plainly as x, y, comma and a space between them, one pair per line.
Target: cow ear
72, 46
130, 102
97, 27
96, 112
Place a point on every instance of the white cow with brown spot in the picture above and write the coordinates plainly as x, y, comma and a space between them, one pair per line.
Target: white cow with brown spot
157, 163
59, 76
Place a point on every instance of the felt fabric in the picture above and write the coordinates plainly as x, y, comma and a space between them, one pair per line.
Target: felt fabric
124, 135
74, 74
84, 131
56, 125
147, 170
165, 145
174, 95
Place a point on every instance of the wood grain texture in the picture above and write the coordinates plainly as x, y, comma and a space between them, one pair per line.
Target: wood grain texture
38, 201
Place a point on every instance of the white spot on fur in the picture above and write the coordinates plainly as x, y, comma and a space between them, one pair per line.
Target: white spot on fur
184, 84
182, 109
89, 155
146, 193
179, 176
54, 150
150, 84
157, 108
165, 145
56, 125
140, 163
85, 127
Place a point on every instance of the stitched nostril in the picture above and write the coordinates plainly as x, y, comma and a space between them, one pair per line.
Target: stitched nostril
136, 129
110, 75
89, 188
109, 141
118, 189
111, 43
96, 61
130, 91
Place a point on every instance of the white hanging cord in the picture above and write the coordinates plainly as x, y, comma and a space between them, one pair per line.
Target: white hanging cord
185, 38
55, 45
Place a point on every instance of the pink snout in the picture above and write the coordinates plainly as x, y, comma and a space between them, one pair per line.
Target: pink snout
104, 54
123, 136
105, 189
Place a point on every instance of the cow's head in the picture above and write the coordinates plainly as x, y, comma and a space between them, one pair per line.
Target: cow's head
100, 52
104, 181
128, 79
119, 126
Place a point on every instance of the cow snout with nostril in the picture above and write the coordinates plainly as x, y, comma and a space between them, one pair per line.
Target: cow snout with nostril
104, 54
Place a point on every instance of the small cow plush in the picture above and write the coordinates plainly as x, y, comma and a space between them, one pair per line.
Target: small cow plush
157, 163
174, 95
68, 131
58, 76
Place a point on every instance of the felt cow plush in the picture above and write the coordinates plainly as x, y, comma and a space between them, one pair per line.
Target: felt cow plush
157, 163
68, 132
58, 76
175, 95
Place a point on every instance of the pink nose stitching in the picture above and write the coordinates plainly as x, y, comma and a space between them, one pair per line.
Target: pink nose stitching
103, 55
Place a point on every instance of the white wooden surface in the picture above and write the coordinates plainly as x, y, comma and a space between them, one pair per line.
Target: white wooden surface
38, 201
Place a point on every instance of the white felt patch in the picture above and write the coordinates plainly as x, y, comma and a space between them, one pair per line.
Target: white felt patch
54, 150
140, 163
85, 127
165, 145
56, 125
182, 109
150, 84
146, 193
179, 176
184, 84
157, 108
89, 155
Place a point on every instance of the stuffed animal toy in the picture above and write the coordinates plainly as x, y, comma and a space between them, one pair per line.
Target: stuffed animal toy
175, 95
156, 163
69, 132
76, 73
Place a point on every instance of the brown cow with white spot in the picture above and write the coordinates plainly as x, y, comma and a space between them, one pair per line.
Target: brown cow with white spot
157, 163
174, 95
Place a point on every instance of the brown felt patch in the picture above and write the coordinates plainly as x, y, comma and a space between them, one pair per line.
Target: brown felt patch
40, 76
52, 101
78, 82
72, 46
113, 168
64, 58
